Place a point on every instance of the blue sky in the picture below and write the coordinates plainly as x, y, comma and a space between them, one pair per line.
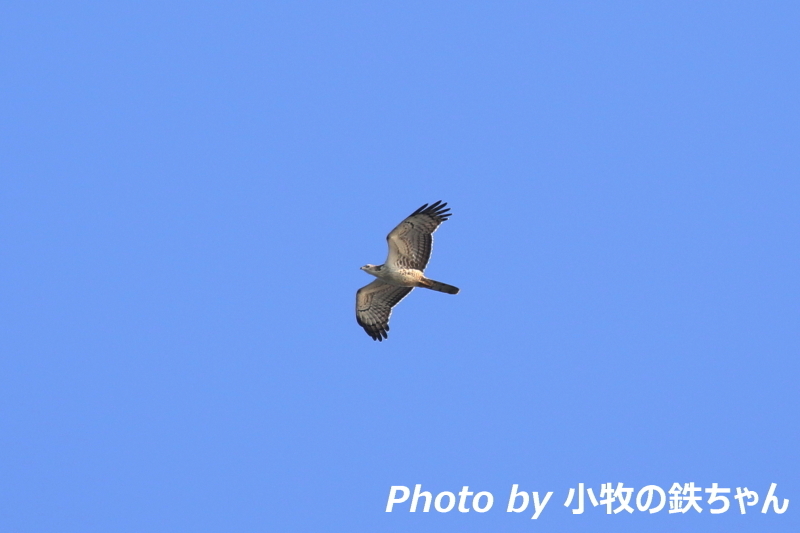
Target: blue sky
190, 188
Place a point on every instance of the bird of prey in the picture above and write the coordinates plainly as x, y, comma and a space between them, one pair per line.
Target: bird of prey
409, 250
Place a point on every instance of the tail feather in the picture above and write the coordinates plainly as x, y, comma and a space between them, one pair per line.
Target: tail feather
438, 286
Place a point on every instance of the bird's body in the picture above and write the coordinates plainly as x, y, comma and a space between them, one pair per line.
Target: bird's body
399, 277
409, 250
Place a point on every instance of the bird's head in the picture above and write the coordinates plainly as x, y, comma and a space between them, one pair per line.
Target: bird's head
371, 269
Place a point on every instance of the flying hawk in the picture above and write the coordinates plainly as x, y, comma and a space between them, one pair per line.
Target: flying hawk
409, 250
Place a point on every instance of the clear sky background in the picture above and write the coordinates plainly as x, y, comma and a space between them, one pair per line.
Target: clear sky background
188, 190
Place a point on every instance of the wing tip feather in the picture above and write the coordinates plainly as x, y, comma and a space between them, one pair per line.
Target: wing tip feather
438, 210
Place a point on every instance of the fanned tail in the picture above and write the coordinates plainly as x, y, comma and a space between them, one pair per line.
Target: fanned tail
438, 286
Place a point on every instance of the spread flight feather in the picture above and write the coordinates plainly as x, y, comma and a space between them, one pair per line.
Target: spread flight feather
409, 251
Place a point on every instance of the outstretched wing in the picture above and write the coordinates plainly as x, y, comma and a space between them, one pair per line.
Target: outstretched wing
374, 304
411, 241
